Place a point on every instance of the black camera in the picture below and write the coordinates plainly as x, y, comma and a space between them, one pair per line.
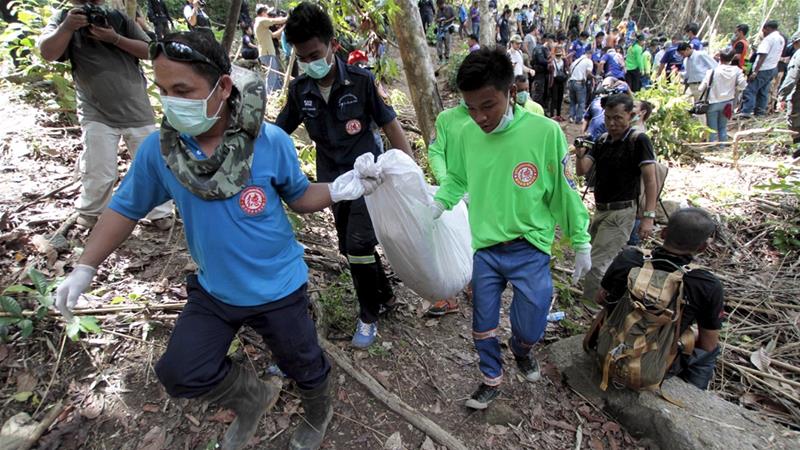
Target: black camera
583, 142
95, 15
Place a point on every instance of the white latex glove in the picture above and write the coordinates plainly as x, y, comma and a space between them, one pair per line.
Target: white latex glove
70, 289
436, 209
583, 262
370, 184
350, 186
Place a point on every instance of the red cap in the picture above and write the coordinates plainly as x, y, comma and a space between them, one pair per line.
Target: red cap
356, 56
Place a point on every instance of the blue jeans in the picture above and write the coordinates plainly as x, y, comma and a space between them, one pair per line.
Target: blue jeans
577, 100
476, 29
528, 270
716, 120
757, 92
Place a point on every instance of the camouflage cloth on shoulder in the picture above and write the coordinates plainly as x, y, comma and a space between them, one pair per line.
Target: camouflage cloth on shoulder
227, 170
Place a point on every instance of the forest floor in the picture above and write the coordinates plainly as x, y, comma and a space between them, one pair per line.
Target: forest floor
106, 381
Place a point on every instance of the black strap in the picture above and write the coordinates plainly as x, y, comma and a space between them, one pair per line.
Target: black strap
704, 95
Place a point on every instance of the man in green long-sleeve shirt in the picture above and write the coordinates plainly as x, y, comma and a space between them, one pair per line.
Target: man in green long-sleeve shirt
635, 64
448, 124
514, 166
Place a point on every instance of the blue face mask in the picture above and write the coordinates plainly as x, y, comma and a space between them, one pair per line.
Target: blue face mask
522, 97
189, 116
317, 69
505, 121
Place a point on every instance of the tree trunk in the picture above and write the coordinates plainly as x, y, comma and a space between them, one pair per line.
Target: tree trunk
608, 8
551, 6
230, 24
407, 25
488, 25
628, 7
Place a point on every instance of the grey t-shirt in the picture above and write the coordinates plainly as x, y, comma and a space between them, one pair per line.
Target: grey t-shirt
110, 87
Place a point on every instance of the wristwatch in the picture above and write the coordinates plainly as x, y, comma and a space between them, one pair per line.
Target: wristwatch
649, 214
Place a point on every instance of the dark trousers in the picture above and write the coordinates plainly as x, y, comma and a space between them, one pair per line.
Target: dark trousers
556, 97
539, 88
357, 242
196, 357
634, 79
697, 369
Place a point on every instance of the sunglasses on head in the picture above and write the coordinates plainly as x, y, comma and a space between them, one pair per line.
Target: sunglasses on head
178, 51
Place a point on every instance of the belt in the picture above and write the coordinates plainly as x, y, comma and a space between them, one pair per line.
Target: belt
578, 81
614, 206
513, 241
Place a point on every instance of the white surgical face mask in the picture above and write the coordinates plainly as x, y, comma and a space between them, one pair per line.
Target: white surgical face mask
317, 69
189, 116
505, 121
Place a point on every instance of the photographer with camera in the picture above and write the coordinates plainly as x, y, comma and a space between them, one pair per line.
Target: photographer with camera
158, 15
621, 158
104, 47
195, 15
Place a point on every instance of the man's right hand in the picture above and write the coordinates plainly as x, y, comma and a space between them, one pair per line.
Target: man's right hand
71, 288
76, 19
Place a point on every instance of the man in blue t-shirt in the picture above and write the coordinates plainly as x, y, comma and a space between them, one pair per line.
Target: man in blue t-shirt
672, 61
612, 65
579, 46
691, 31
229, 174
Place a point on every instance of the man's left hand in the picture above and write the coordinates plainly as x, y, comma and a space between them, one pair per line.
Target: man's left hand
103, 34
751, 77
645, 228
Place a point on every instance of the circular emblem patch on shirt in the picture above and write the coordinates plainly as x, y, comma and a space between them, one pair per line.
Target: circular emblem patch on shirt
353, 127
253, 200
525, 174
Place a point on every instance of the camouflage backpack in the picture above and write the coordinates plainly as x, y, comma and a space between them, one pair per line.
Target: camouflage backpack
636, 343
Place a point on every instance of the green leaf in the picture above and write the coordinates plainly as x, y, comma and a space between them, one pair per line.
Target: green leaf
41, 312
9, 320
88, 324
10, 306
117, 300
22, 396
18, 289
26, 327
39, 281
74, 328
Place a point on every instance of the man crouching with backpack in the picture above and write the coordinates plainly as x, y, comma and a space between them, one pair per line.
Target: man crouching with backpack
622, 157
688, 233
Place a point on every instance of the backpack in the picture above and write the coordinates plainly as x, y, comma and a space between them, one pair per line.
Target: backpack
662, 170
636, 343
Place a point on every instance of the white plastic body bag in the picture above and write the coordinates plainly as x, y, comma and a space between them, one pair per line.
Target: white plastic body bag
432, 257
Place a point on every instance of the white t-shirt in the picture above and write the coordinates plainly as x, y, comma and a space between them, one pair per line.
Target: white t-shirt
516, 60
771, 46
580, 67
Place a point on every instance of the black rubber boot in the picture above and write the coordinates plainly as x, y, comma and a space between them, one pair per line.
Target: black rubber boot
249, 397
318, 408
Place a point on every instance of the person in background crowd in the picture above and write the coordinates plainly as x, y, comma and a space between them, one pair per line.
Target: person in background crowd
268, 56
557, 21
504, 29
630, 31
579, 46
740, 45
462, 20
523, 97
158, 15
574, 23
517, 196
249, 48
766, 66
426, 11
560, 76
688, 233
580, 73
445, 17
195, 14
529, 43
513, 22
696, 64
473, 43
612, 38
475, 19
672, 61
107, 110
610, 65
635, 64
651, 50
622, 158
540, 64
338, 104
515, 55
789, 93
727, 83
244, 15
691, 31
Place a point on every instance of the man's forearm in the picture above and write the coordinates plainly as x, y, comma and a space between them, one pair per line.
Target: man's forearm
111, 231
397, 137
55, 44
316, 198
135, 47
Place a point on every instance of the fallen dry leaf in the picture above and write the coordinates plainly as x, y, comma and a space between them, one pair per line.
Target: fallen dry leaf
596, 444
611, 427
93, 406
395, 442
427, 444
497, 430
155, 439
26, 382
150, 407
223, 416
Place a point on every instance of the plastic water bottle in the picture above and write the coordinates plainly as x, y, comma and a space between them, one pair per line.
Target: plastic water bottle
555, 316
